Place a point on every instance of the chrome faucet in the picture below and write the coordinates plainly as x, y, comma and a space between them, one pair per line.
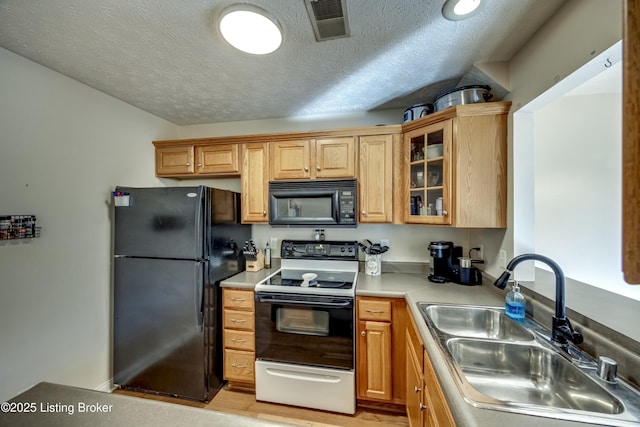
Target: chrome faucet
561, 330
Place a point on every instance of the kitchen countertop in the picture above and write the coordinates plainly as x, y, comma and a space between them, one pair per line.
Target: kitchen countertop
247, 279
416, 288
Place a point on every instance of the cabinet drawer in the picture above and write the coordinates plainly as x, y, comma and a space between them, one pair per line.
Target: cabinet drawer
239, 365
233, 319
239, 340
234, 298
374, 310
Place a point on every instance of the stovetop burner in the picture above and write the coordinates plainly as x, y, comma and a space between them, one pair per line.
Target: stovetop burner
334, 266
280, 280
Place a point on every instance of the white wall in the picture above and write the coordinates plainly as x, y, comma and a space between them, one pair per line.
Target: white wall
578, 32
581, 31
64, 146
578, 207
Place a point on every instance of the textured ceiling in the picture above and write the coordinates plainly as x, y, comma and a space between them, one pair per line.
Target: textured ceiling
163, 56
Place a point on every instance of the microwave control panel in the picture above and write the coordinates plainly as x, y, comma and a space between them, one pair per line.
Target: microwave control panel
347, 207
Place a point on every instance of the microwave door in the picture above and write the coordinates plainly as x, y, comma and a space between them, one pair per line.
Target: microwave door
318, 207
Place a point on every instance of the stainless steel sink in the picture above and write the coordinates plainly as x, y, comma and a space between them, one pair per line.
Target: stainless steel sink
498, 363
529, 374
475, 322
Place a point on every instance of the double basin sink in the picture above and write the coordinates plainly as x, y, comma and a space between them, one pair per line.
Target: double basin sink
499, 363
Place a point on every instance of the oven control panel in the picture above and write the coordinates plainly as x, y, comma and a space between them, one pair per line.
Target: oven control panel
299, 249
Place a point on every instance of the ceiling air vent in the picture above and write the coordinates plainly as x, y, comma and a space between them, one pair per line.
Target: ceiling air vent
328, 18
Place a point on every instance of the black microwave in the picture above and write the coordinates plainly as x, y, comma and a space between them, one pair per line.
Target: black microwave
310, 203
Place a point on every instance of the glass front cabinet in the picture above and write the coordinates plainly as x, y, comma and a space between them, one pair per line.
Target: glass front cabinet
429, 176
455, 167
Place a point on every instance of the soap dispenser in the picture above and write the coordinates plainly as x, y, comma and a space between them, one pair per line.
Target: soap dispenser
514, 303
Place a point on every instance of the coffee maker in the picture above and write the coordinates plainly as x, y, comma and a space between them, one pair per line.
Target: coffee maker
444, 261
448, 265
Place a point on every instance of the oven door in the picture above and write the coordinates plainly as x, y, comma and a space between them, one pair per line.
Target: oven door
308, 330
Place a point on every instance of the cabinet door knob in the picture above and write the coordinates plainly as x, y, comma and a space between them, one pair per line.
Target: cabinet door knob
422, 406
445, 213
364, 213
306, 169
318, 167
199, 165
416, 389
188, 164
264, 213
363, 333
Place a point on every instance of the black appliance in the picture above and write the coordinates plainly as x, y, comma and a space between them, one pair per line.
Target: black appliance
444, 260
466, 273
329, 203
448, 265
172, 247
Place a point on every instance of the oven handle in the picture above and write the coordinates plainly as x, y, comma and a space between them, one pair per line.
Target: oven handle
272, 300
304, 376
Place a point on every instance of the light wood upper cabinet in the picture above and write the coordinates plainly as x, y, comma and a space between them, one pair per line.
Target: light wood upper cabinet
187, 160
218, 159
291, 159
457, 159
313, 158
172, 161
335, 157
375, 175
254, 181
428, 182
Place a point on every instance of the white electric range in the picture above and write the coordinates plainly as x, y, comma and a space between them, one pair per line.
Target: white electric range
305, 334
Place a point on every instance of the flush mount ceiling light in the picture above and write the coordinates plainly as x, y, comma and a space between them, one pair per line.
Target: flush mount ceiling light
456, 10
250, 29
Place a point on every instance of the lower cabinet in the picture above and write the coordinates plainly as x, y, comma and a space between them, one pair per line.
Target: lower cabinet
239, 336
380, 355
426, 404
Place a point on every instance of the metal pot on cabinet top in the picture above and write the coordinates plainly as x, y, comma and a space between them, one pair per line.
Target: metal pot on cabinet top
417, 111
471, 94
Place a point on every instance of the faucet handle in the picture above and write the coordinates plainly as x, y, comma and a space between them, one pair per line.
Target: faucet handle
562, 331
607, 369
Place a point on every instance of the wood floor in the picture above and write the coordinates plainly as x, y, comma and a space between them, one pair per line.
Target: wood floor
240, 402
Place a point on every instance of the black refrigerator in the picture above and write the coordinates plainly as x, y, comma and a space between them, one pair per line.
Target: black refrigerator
172, 247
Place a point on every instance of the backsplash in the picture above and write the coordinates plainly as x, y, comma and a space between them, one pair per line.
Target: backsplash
408, 243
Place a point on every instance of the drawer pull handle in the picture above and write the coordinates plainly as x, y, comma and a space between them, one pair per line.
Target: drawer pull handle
237, 340
375, 311
238, 320
238, 299
239, 366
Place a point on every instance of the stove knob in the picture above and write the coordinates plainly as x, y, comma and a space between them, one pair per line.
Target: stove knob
342, 249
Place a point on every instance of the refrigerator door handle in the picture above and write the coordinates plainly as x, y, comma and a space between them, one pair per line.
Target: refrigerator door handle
198, 218
199, 293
